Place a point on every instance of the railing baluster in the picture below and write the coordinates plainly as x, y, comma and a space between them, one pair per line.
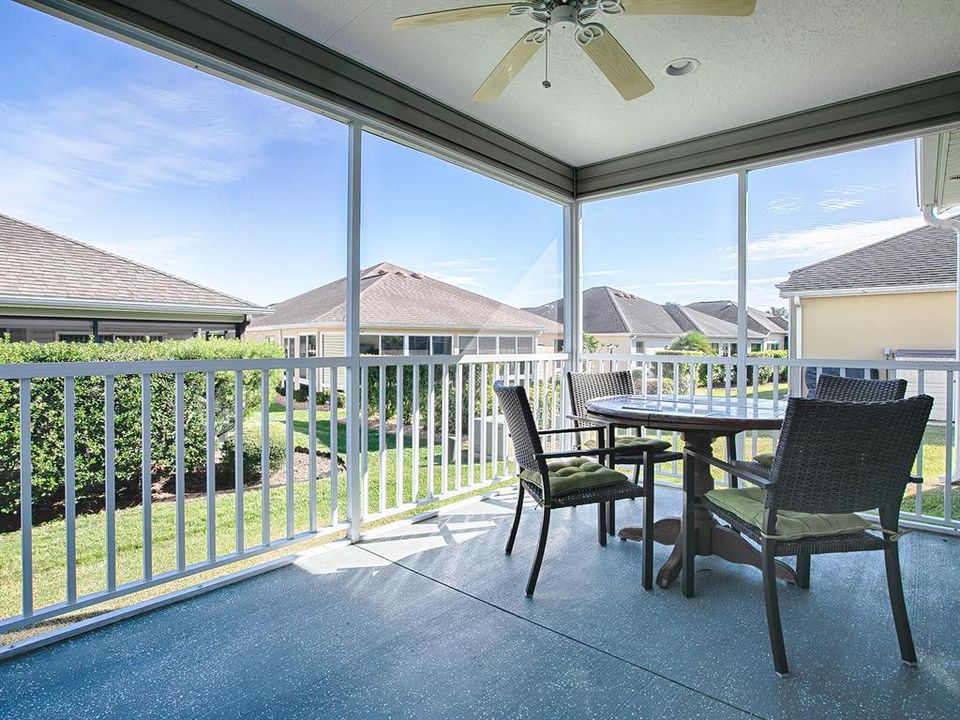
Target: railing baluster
660, 380
364, 441
70, 485
265, 455
146, 474
238, 456
398, 440
445, 428
471, 420
495, 427
334, 448
211, 467
431, 429
545, 395
382, 439
288, 460
415, 435
110, 479
483, 424
709, 386
26, 502
458, 427
948, 451
179, 416
314, 388
918, 495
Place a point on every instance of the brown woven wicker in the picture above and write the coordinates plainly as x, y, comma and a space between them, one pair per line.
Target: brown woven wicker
529, 454
835, 457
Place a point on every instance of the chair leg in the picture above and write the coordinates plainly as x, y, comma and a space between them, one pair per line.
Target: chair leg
648, 485
803, 570
689, 538
772, 604
611, 518
516, 519
732, 458
541, 545
891, 559
602, 523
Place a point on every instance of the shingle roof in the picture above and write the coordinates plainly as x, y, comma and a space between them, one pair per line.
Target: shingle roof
924, 256
608, 311
757, 320
37, 263
394, 296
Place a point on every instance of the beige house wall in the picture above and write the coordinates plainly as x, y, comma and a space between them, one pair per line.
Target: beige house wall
860, 327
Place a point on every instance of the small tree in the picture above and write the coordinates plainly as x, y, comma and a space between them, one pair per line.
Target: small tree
780, 312
591, 343
692, 340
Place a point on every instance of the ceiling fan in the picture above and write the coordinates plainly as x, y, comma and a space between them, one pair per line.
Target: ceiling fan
578, 17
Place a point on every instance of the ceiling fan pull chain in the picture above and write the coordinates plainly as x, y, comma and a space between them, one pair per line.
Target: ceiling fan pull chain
546, 60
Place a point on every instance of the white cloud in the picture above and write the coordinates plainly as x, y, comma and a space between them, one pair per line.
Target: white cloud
785, 204
602, 273
825, 241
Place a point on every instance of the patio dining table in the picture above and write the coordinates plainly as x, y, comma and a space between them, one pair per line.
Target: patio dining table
700, 421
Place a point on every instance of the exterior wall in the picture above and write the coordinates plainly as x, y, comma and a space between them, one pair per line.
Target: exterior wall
40, 329
861, 327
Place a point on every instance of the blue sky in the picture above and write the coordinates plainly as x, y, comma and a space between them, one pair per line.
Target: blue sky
217, 183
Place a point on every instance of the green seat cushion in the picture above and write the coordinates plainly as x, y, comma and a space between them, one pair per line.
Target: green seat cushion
568, 475
634, 442
764, 459
747, 504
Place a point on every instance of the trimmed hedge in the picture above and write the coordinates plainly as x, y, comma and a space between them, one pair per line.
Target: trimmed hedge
47, 417
277, 436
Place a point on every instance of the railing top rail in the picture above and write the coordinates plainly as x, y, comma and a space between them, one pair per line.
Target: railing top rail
17, 371
943, 365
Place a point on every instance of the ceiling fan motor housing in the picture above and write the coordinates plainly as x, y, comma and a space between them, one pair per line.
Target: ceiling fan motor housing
563, 17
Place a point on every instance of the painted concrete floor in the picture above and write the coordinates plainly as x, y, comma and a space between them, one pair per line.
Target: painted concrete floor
430, 621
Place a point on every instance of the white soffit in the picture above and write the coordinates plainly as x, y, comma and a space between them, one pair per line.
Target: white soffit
788, 57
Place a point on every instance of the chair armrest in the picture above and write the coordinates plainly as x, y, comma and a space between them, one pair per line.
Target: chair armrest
583, 418
558, 431
740, 472
915, 480
574, 453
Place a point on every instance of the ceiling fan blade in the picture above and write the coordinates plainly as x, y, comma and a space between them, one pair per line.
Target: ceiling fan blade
478, 12
617, 65
508, 68
735, 8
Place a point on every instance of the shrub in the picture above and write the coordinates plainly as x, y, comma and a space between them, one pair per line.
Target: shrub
47, 417
694, 342
277, 435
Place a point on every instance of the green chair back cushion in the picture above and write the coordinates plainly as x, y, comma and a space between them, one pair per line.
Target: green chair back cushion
568, 475
641, 444
747, 504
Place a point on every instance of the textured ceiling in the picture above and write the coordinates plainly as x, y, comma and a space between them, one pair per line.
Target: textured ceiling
789, 56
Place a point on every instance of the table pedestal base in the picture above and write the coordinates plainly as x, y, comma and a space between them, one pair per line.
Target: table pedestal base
712, 539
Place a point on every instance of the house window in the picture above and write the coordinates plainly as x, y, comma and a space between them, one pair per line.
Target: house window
525, 345
124, 337
637, 347
420, 344
487, 345
558, 345
369, 344
715, 348
468, 344
391, 344
65, 337
774, 346
508, 345
308, 349
442, 345
756, 347
288, 347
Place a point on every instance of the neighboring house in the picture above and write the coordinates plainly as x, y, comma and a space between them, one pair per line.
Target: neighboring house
55, 288
625, 323
894, 299
403, 312
775, 329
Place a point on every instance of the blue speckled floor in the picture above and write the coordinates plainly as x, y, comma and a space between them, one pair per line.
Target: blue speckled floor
430, 621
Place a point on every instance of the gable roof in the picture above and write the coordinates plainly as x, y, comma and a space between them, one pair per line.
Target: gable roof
757, 320
924, 256
394, 296
608, 311
41, 268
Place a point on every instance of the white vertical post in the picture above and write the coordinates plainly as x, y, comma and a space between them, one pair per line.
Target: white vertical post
211, 468
334, 449
458, 426
483, 422
471, 419
352, 344
382, 439
179, 415
288, 461
238, 456
146, 475
431, 429
398, 439
70, 486
415, 435
26, 502
312, 447
741, 287
109, 483
572, 309
265, 454
444, 427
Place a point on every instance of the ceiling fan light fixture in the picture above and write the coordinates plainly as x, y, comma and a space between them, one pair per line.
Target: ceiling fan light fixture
681, 66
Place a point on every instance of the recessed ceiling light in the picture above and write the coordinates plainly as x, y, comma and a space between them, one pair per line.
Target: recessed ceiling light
682, 66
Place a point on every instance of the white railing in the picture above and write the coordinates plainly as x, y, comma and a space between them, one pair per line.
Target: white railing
435, 402
713, 380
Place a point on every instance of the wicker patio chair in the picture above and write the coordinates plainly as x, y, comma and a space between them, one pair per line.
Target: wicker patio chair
834, 459
557, 479
841, 389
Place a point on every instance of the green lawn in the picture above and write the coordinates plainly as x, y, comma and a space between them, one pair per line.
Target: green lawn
49, 538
